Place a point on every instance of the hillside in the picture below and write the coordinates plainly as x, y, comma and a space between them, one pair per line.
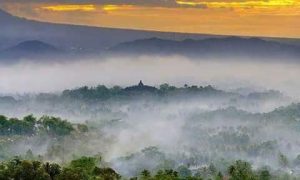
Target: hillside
73, 37
84, 39
211, 47
30, 50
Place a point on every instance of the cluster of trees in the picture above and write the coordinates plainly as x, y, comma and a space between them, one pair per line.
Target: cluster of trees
239, 170
102, 92
88, 168
84, 168
30, 126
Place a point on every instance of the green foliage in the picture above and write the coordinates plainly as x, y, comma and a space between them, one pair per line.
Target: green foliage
56, 126
52, 169
145, 175
184, 172
81, 169
102, 92
106, 174
84, 163
166, 175
264, 175
241, 170
85, 168
283, 160
18, 127
82, 128
30, 126
23, 170
74, 174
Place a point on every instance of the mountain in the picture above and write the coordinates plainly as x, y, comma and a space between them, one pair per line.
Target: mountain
5, 16
34, 46
90, 41
210, 47
81, 39
30, 50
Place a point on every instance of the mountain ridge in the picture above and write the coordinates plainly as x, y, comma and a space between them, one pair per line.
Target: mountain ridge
84, 38
33, 49
75, 37
210, 47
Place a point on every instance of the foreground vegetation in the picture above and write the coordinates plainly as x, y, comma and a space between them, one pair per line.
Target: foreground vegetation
30, 126
30, 166
87, 168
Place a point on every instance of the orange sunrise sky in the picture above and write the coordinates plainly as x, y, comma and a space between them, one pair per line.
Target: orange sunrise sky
275, 18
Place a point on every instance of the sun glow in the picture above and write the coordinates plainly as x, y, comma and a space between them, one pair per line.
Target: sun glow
70, 7
109, 7
241, 4
276, 18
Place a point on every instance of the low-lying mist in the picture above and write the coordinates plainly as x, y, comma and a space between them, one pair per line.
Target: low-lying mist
26, 77
250, 112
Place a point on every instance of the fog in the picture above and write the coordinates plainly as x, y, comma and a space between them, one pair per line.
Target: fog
240, 119
32, 77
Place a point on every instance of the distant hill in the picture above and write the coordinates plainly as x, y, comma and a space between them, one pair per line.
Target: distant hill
75, 38
4, 16
30, 49
16, 35
102, 92
7, 100
34, 46
83, 39
211, 47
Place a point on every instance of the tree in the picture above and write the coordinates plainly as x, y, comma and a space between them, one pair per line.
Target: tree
241, 170
106, 173
74, 174
4, 125
23, 170
184, 172
52, 169
212, 169
264, 174
296, 162
166, 175
219, 176
82, 128
84, 163
56, 126
29, 155
283, 160
145, 175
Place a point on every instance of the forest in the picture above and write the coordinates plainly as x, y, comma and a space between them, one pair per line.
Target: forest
149, 90
30, 166
115, 133
86, 168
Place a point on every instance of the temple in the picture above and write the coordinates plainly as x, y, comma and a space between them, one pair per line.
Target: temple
140, 88
141, 83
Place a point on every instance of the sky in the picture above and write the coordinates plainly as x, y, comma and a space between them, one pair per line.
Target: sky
274, 18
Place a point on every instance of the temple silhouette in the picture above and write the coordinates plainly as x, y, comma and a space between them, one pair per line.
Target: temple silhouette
141, 87
141, 83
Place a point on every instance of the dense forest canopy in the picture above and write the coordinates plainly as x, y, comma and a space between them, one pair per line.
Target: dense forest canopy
102, 92
86, 168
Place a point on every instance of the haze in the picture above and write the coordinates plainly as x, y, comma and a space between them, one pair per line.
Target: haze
30, 77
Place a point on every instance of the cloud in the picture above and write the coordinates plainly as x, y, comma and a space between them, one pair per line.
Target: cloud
256, 6
146, 3
73, 7
232, 17
90, 5
241, 3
